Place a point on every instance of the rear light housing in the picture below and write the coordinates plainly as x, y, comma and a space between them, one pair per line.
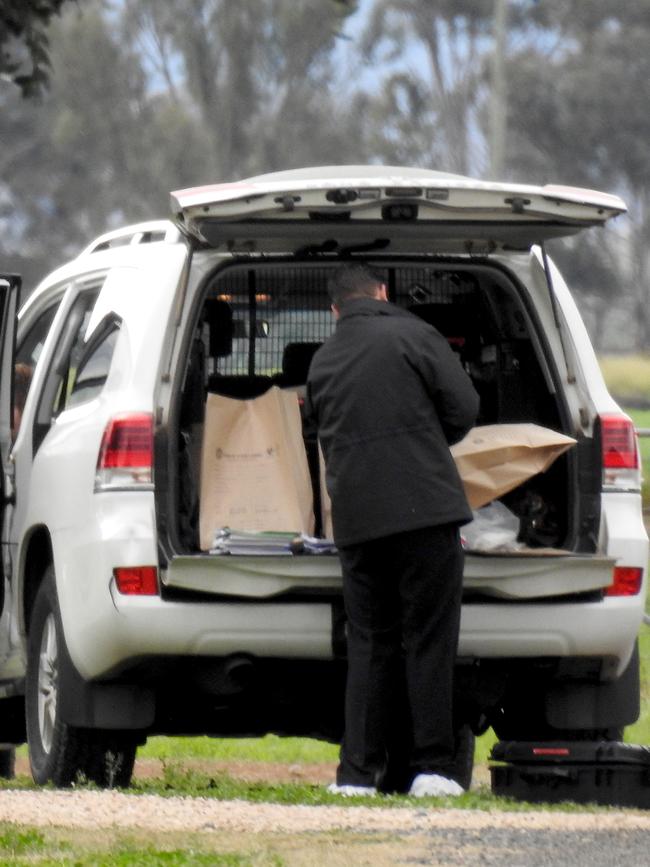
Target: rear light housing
620, 453
125, 460
628, 581
136, 580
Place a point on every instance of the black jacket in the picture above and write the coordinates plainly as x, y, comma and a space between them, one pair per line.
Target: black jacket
388, 397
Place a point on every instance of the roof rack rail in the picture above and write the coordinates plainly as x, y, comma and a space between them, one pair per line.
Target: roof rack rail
138, 233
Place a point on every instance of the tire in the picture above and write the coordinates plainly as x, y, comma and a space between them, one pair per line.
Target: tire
59, 753
7, 764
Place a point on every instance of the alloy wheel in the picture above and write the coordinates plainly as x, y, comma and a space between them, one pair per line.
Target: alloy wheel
48, 683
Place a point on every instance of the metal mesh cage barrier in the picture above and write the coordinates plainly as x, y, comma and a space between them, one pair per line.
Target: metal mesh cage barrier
413, 286
273, 307
276, 305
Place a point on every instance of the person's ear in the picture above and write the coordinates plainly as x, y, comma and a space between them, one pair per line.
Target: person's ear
381, 292
336, 310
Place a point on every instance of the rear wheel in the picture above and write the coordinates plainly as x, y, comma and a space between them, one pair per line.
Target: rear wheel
60, 753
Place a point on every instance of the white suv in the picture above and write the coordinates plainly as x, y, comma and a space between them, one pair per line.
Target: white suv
116, 624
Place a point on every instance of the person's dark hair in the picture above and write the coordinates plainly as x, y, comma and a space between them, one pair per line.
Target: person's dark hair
22, 379
353, 281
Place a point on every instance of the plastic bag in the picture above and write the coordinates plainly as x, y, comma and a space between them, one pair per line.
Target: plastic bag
494, 527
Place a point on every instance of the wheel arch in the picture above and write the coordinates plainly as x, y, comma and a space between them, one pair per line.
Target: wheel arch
83, 704
38, 555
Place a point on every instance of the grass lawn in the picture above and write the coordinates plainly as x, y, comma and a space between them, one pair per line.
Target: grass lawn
641, 418
271, 748
627, 378
274, 749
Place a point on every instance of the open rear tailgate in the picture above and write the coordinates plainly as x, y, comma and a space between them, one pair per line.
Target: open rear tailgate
397, 208
514, 576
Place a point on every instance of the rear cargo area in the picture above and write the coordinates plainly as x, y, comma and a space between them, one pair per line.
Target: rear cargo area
259, 325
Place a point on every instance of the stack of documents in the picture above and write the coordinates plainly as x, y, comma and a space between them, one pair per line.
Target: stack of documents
265, 543
313, 545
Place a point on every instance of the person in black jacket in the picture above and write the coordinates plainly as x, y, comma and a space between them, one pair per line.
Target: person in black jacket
388, 397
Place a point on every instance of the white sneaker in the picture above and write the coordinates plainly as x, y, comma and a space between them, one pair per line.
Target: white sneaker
349, 791
435, 786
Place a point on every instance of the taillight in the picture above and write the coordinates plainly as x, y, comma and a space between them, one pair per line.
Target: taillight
627, 581
620, 452
137, 580
125, 458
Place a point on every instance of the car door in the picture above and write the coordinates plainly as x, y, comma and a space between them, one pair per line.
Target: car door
9, 292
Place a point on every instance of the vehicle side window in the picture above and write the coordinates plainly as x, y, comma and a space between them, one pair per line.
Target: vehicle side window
31, 344
95, 363
27, 355
63, 368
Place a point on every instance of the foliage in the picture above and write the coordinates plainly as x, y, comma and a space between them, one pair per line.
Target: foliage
146, 97
574, 117
426, 109
23, 41
260, 77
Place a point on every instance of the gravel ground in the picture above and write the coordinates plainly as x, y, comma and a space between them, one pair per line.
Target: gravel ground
333, 835
425, 836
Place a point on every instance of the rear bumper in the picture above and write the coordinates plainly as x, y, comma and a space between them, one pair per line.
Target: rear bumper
131, 628
107, 631
606, 629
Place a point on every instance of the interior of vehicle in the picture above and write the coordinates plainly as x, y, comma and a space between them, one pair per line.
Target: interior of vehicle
259, 326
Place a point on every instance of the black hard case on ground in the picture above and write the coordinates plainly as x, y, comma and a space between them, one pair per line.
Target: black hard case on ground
597, 772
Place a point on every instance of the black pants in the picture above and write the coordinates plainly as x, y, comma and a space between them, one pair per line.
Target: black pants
402, 597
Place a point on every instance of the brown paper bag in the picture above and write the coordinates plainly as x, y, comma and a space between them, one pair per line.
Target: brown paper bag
254, 472
327, 531
494, 459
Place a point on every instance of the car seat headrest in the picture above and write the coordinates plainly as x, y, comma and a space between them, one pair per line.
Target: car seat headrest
218, 315
296, 359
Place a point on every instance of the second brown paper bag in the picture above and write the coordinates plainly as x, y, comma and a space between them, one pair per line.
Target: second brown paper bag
494, 459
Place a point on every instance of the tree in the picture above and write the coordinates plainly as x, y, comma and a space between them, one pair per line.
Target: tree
84, 158
575, 117
434, 52
23, 41
259, 76
146, 97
